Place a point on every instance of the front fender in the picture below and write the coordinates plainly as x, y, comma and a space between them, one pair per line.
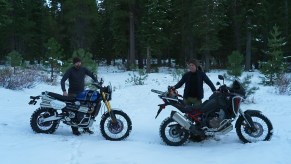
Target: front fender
250, 111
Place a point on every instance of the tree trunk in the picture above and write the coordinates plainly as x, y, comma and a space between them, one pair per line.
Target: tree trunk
131, 42
248, 46
52, 73
236, 26
108, 61
140, 60
207, 61
149, 60
286, 19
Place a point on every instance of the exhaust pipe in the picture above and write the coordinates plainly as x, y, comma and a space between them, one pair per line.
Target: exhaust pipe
225, 130
181, 120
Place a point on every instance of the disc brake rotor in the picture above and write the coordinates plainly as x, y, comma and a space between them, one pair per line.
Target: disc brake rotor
255, 133
174, 132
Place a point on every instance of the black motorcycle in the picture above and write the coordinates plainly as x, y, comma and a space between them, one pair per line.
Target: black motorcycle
80, 111
214, 116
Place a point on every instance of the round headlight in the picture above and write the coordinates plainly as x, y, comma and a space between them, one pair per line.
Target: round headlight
109, 92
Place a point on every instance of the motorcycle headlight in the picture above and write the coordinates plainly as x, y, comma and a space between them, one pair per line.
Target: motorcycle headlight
108, 92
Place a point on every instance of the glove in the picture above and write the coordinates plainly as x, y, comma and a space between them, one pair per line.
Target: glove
171, 88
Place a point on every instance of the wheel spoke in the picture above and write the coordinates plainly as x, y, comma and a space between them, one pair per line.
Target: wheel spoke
116, 130
172, 133
259, 134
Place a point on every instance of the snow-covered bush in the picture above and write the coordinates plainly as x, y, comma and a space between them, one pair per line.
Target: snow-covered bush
24, 78
177, 74
283, 85
137, 79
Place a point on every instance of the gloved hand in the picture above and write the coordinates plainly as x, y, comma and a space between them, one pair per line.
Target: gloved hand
171, 88
65, 93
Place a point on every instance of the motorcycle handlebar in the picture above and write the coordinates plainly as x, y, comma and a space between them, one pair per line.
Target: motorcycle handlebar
156, 91
97, 84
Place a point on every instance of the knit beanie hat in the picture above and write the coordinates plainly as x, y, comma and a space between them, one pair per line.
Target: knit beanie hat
194, 61
76, 60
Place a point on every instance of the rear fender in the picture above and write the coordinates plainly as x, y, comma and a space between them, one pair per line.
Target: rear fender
161, 107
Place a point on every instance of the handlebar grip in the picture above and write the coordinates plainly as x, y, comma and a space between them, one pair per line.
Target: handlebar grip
156, 91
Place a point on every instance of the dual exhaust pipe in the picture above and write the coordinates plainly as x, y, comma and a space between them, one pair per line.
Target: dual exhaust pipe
181, 120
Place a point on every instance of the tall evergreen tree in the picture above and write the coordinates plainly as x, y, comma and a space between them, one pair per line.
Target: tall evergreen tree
14, 58
54, 54
209, 21
79, 19
5, 20
235, 61
274, 67
155, 28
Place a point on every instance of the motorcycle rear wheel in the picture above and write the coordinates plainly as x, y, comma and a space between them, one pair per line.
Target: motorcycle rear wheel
263, 132
115, 131
38, 126
172, 133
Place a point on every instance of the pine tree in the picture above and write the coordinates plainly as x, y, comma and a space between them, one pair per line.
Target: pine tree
235, 64
14, 59
54, 54
209, 20
86, 58
274, 67
79, 20
4, 9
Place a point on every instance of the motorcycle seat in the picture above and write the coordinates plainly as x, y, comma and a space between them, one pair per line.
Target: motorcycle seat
190, 108
61, 97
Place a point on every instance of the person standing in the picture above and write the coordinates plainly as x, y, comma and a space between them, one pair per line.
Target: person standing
193, 80
76, 75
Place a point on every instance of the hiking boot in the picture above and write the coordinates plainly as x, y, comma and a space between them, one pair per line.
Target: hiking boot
77, 133
87, 130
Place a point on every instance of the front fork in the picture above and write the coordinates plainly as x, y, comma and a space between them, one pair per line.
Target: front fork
248, 118
108, 106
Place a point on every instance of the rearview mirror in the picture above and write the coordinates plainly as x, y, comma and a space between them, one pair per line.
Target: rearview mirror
220, 77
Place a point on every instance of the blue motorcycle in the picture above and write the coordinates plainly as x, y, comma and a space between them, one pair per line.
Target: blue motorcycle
80, 111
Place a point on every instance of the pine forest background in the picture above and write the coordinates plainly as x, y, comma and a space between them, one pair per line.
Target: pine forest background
139, 30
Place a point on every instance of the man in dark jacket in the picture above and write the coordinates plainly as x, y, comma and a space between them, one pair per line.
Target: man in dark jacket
193, 80
76, 76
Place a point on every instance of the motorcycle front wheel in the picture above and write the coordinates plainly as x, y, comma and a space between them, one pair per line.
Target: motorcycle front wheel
37, 124
115, 131
263, 130
172, 133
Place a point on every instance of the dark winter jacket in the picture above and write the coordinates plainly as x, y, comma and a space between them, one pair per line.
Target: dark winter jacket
194, 84
76, 78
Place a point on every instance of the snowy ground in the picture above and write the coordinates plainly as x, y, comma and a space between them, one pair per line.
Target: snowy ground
19, 144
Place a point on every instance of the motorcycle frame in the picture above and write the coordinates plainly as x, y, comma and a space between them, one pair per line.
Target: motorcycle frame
46, 99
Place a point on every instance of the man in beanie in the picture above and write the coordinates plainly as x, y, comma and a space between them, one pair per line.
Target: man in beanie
193, 80
76, 75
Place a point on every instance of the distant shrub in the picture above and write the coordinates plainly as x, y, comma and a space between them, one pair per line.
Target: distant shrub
177, 74
246, 81
137, 79
21, 79
283, 85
